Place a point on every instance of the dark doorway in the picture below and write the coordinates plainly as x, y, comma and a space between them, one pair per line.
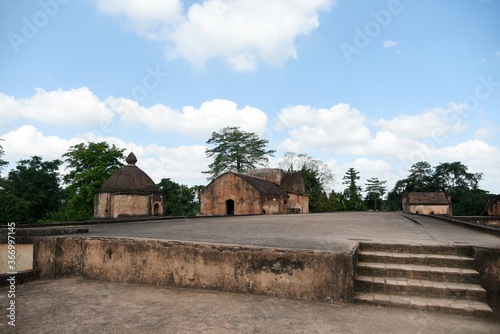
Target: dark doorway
230, 207
156, 210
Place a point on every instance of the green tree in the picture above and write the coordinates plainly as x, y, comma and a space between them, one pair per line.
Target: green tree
180, 200
420, 177
37, 182
316, 174
352, 193
292, 162
90, 165
375, 190
334, 203
2, 162
14, 209
455, 179
450, 176
236, 150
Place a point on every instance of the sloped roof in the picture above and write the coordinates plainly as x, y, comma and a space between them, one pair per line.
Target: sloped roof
130, 179
437, 198
261, 184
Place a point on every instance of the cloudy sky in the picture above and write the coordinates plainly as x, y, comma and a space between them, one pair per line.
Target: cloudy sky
374, 85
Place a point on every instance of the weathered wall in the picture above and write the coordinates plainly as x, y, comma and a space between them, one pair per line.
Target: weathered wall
274, 175
488, 265
305, 275
493, 205
102, 205
23, 260
111, 205
430, 209
300, 202
246, 198
131, 205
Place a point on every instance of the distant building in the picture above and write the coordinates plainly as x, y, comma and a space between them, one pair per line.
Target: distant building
427, 203
129, 193
261, 191
493, 205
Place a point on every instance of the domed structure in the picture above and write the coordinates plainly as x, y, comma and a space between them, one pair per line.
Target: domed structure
129, 193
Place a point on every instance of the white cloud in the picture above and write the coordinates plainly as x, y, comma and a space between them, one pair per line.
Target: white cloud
149, 17
432, 123
241, 32
486, 132
389, 44
340, 128
182, 164
245, 32
200, 122
27, 141
77, 107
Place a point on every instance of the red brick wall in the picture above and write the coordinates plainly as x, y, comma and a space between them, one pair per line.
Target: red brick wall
247, 199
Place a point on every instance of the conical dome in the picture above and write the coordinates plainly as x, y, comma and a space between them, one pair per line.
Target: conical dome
130, 179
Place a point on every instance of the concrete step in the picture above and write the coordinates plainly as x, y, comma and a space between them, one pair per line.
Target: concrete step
438, 260
456, 306
417, 287
418, 249
421, 272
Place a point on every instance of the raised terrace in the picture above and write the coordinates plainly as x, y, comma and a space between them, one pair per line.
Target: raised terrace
395, 259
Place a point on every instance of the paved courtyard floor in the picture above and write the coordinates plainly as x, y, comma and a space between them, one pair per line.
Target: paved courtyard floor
82, 306
339, 231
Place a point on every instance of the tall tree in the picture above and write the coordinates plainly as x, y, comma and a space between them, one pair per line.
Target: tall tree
353, 191
37, 182
375, 190
2, 162
420, 177
90, 165
455, 179
236, 150
292, 162
450, 176
316, 174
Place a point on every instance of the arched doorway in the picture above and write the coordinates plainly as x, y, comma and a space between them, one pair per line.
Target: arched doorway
156, 209
230, 207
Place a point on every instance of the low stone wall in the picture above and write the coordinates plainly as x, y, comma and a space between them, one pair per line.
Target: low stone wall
488, 265
483, 220
308, 275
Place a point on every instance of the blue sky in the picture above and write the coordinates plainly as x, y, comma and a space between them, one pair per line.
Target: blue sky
374, 85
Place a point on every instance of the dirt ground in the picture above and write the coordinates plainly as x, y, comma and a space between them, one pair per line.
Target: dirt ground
82, 306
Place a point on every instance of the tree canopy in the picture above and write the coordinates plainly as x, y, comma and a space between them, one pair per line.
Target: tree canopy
453, 178
180, 200
37, 182
90, 165
236, 150
316, 174
375, 190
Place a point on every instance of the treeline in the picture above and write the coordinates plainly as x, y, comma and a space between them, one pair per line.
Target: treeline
452, 178
36, 191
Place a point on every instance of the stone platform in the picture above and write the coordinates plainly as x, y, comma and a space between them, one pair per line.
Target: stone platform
310, 257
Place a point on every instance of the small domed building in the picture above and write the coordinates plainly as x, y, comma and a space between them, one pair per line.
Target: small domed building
129, 193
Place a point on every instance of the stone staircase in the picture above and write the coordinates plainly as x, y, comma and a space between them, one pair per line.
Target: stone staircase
423, 277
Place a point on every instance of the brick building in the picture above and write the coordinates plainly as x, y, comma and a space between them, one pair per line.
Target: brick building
427, 203
261, 191
129, 193
493, 205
